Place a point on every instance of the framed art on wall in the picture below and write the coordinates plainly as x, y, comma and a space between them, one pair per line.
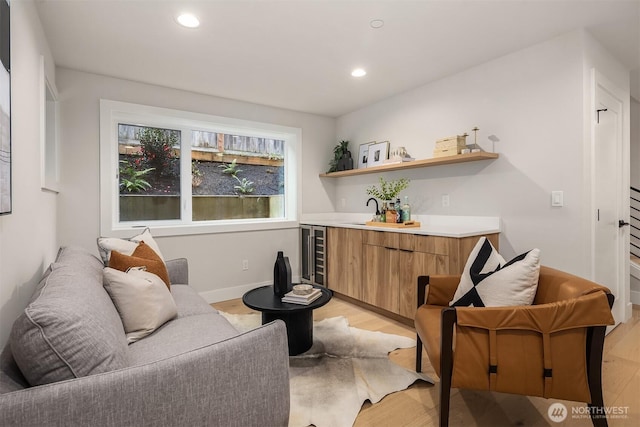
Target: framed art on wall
378, 153
363, 155
5, 110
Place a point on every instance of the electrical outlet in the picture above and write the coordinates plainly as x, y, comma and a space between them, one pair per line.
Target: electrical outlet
445, 201
245, 264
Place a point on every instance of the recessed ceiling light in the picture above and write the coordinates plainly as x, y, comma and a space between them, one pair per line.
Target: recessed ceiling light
376, 23
358, 72
188, 20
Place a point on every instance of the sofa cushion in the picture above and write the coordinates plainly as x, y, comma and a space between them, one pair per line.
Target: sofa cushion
181, 335
142, 256
11, 379
188, 301
142, 300
70, 328
488, 281
126, 246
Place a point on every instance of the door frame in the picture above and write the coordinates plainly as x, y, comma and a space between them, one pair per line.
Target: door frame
598, 80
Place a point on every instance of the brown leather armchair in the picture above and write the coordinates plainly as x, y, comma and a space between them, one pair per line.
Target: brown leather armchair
551, 349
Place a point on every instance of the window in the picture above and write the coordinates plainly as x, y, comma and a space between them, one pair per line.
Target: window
186, 173
48, 132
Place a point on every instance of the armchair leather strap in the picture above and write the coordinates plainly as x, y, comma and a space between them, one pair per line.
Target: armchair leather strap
548, 366
493, 359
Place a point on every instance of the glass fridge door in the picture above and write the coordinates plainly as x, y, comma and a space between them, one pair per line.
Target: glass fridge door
306, 255
318, 256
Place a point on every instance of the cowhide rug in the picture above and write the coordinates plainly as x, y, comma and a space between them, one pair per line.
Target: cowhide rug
345, 367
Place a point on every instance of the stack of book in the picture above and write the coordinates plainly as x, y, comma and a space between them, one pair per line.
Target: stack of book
307, 299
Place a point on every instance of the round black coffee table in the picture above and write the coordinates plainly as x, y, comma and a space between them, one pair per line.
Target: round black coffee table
297, 317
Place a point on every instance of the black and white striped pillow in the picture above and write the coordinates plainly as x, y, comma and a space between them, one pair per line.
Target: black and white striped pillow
489, 281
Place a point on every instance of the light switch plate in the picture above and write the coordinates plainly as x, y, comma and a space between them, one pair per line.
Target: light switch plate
557, 198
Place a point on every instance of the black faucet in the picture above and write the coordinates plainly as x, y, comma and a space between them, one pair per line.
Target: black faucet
377, 210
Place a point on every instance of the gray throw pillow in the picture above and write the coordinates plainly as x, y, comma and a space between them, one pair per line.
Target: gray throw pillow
70, 328
142, 299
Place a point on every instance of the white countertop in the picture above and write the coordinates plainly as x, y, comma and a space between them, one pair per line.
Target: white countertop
432, 225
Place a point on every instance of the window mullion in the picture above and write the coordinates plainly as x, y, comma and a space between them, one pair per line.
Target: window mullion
185, 174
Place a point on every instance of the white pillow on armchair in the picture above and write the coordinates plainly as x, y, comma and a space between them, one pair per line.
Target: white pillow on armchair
489, 281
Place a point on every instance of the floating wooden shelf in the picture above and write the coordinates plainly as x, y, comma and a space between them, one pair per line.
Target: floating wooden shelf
437, 161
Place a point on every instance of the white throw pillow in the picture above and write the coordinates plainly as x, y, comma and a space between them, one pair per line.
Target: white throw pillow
126, 246
489, 281
142, 299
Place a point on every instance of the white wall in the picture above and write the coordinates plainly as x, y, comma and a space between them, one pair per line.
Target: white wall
532, 102
28, 237
215, 260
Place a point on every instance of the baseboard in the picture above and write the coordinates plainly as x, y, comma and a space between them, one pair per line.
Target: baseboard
635, 297
233, 292
226, 294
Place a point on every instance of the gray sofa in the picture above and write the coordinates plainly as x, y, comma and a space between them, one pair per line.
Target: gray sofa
195, 370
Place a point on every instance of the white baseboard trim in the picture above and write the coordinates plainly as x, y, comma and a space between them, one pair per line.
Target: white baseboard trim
635, 297
233, 292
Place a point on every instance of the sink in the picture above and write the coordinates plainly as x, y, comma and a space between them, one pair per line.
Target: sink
356, 223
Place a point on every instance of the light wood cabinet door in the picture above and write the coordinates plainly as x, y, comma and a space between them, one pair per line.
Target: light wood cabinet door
344, 261
412, 264
380, 277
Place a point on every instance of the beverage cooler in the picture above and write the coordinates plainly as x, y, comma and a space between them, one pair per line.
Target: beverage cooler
313, 255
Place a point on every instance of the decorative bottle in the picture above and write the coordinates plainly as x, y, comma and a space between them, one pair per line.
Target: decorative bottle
406, 210
390, 214
281, 275
398, 209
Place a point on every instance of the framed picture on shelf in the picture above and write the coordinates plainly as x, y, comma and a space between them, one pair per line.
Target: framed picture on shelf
378, 153
363, 154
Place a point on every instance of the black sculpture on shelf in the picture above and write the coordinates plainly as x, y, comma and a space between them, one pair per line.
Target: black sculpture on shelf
342, 159
345, 162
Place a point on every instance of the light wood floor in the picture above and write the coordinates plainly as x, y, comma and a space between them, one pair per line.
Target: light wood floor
418, 405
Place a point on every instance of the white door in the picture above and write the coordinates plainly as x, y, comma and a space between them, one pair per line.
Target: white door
610, 254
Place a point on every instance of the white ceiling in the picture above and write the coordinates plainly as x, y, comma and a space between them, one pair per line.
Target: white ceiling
299, 54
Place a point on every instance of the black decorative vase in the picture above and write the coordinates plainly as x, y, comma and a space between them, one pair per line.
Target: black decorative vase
345, 162
281, 275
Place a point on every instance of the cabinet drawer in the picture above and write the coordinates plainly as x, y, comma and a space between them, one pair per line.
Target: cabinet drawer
432, 244
406, 242
381, 238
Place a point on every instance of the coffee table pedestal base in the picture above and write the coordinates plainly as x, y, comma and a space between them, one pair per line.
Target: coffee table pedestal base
299, 329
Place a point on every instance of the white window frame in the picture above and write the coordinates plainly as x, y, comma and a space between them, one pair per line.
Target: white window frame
113, 113
49, 164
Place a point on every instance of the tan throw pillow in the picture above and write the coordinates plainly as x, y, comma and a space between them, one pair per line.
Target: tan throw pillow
143, 256
126, 246
142, 300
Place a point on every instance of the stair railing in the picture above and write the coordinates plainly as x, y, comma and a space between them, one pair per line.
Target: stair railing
634, 205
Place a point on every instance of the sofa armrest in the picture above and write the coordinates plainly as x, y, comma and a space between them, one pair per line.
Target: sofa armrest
178, 271
242, 381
